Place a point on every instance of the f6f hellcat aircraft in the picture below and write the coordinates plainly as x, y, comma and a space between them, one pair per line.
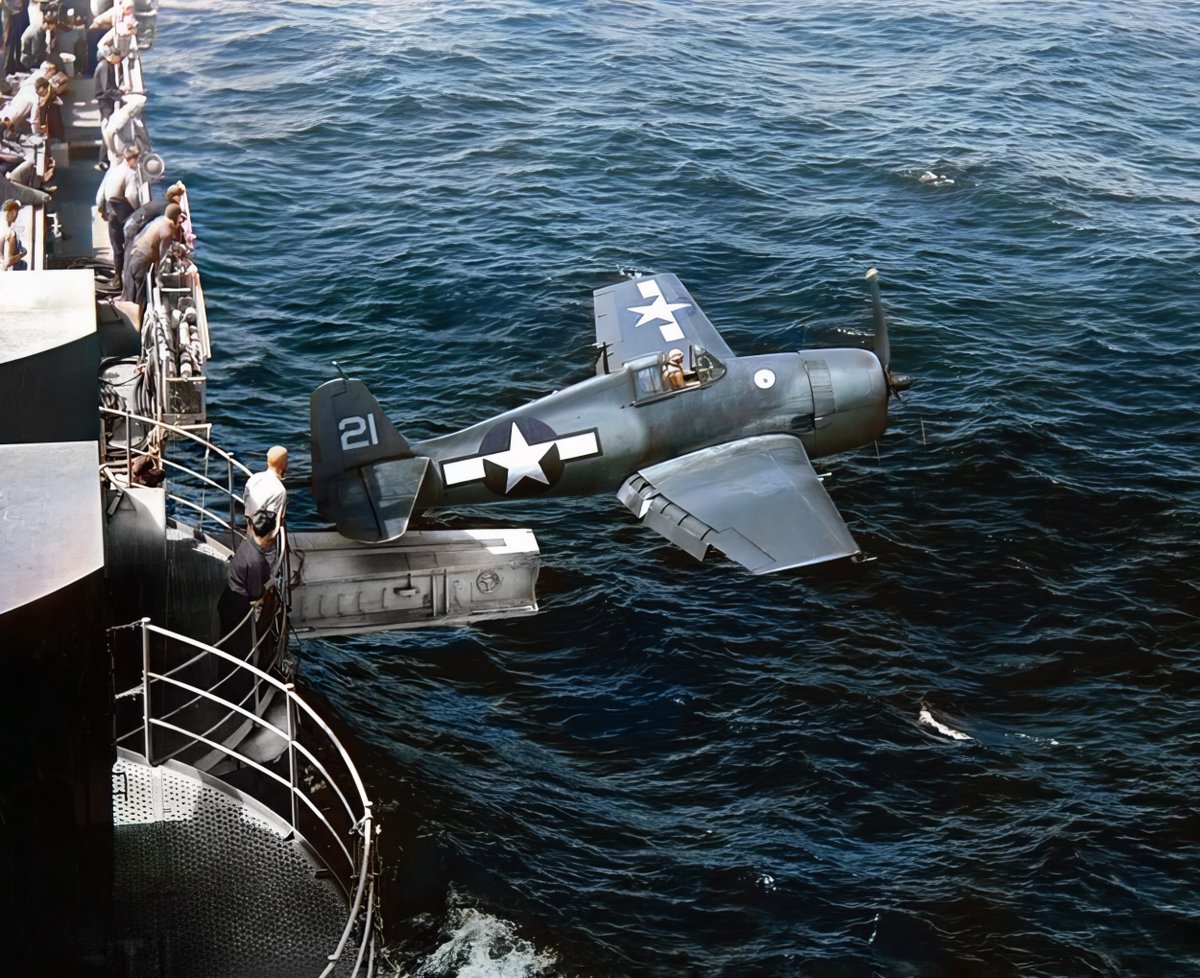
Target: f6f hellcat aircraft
707, 448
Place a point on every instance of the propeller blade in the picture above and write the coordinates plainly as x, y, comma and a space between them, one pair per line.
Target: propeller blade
883, 349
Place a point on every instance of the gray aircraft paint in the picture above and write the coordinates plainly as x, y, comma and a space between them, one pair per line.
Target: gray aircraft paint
624, 426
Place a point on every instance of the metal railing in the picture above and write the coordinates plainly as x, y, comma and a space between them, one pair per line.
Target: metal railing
339, 826
202, 704
192, 706
150, 442
189, 490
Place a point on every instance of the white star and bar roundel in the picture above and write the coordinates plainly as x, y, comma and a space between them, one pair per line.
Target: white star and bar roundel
659, 311
522, 457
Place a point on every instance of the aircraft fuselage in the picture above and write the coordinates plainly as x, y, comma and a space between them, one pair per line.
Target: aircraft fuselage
590, 437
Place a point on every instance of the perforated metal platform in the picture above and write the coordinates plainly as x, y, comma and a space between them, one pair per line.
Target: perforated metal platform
207, 884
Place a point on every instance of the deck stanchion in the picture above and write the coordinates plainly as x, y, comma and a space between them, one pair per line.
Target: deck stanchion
254, 658
146, 689
289, 688
232, 507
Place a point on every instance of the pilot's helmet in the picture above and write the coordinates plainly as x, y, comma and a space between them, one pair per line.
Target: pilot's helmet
675, 356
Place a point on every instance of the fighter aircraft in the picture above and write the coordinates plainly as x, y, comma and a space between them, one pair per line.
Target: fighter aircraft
708, 448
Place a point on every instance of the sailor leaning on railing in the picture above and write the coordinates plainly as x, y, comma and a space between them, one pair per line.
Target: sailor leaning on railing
147, 250
149, 233
253, 566
30, 116
116, 79
250, 571
153, 208
265, 490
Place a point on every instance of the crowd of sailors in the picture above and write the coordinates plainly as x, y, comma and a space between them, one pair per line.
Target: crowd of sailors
47, 46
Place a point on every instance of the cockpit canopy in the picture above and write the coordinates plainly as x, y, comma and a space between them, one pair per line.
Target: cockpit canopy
659, 375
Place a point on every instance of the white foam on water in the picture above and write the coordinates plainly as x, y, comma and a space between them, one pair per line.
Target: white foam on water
936, 179
478, 945
1039, 740
929, 720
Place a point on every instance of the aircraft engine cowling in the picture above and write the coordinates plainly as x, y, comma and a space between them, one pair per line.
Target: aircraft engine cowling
850, 399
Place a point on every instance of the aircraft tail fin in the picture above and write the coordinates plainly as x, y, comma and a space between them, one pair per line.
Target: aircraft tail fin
365, 477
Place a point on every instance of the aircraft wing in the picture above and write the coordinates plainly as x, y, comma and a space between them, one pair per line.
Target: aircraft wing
758, 500
650, 314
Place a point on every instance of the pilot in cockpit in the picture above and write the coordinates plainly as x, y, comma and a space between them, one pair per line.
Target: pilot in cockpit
673, 378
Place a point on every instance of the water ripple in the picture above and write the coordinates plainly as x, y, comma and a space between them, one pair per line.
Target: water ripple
676, 768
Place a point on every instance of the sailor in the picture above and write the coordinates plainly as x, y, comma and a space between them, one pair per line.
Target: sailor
101, 20
265, 491
46, 118
37, 43
114, 203
673, 371
147, 249
19, 179
146, 470
103, 14
125, 29
148, 212
12, 252
14, 19
122, 24
249, 572
20, 109
108, 93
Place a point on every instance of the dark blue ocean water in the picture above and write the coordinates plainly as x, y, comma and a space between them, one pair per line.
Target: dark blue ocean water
676, 768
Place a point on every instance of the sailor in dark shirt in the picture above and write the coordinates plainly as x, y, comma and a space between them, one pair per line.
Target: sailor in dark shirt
14, 20
148, 212
105, 86
249, 572
108, 92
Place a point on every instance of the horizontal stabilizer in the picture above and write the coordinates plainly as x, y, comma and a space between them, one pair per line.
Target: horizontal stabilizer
365, 478
375, 503
758, 500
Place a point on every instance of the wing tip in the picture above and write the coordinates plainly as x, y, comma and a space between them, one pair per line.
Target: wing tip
777, 567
